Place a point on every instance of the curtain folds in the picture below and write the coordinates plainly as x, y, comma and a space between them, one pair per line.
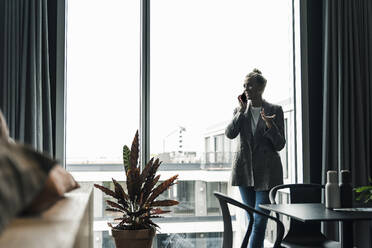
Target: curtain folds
347, 81
347, 116
25, 88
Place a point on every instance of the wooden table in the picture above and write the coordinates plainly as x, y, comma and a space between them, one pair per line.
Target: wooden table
310, 212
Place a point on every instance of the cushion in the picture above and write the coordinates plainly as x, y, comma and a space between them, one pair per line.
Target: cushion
30, 181
23, 173
59, 181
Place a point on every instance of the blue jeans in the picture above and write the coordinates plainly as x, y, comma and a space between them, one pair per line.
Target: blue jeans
253, 199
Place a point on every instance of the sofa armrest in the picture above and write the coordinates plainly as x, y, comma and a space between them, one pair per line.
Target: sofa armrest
67, 224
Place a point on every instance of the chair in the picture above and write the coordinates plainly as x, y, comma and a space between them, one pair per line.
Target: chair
303, 235
228, 234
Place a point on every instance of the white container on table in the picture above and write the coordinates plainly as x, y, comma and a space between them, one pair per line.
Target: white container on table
332, 190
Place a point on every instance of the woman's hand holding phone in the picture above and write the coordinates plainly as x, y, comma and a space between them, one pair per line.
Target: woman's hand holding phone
243, 102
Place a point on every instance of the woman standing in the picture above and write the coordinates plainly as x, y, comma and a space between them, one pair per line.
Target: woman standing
257, 166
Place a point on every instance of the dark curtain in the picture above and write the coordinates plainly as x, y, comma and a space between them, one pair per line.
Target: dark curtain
314, 45
347, 80
25, 84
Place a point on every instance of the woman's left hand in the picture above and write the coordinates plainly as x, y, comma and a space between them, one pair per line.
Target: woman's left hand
267, 118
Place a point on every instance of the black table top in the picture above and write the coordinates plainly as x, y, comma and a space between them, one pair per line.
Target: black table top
306, 212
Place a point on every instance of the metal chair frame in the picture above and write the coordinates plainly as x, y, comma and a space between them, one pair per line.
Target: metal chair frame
228, 234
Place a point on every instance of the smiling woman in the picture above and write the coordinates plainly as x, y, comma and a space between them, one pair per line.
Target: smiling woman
257, 166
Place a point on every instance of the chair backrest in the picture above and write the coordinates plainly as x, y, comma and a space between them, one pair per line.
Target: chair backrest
301, 193
228, 234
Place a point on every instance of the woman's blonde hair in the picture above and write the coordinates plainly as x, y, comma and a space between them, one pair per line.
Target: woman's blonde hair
256, 75
4, 131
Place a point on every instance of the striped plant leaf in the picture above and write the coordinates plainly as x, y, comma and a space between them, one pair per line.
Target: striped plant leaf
137, 184
134, 151
161, 188
126, 158
106, 190
148, 188
146, 170
114, 210
157, 211
115, 205
153, 224
164, 203
130, 185
125, 219
120, 191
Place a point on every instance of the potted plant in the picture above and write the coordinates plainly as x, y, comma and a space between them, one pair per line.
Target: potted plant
138, 205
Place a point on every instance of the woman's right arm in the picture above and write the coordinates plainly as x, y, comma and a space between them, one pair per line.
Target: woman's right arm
233, 129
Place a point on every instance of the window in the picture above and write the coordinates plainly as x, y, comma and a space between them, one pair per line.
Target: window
213, 206
218, 148
102, 80
200, 53
183, 192
103, 60
209, 158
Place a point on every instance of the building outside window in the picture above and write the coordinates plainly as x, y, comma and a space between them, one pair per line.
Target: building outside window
213, 206
183, 192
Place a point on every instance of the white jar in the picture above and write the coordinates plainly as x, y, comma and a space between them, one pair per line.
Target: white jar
332, 190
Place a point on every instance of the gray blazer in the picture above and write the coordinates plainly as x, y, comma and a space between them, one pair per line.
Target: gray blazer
257, 162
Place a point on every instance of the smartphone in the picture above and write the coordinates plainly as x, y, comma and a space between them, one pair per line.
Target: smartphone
243, 97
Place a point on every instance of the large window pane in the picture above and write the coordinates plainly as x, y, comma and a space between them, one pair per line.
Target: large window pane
201, 51
102, 95
102, 79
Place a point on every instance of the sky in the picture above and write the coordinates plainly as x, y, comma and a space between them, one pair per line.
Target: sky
201, 51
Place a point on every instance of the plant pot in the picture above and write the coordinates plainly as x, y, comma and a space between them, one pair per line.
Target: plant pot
133, 238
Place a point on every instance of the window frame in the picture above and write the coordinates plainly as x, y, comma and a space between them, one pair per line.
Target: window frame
301, 168
300, 93
61, 42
